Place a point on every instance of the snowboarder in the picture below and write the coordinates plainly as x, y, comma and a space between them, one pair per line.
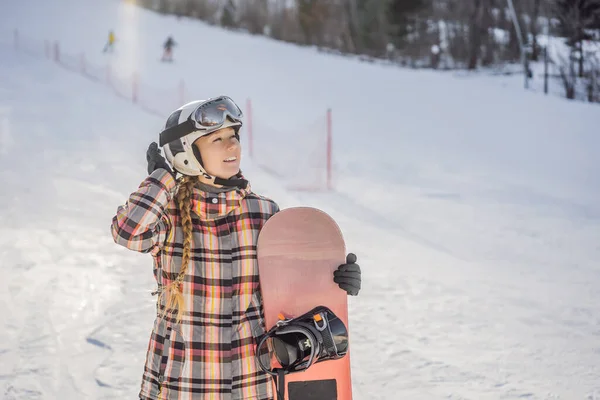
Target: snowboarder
198, 217
110, 42
168, 49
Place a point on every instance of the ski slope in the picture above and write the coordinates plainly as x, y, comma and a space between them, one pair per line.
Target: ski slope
477, 230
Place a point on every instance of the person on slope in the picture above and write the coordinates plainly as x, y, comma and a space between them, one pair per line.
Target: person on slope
109, 46
168, 49
200, 221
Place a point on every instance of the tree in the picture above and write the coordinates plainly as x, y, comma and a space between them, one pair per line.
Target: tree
400, 16
514, 46
202, 9
372, 26
575, 18
475, 28
254, 15
312, 15
533, 28
228, 19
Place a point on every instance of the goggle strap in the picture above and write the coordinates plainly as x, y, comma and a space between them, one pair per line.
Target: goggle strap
176, 132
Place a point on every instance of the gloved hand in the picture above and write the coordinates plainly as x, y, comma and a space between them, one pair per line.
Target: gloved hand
347, 276
156, 160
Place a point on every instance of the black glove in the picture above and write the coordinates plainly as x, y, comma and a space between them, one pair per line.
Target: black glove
156, 160
347, 276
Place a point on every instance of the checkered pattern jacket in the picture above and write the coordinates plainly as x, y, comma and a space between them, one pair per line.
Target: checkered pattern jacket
211, 353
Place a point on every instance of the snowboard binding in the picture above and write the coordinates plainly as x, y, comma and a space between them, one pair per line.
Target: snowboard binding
297, 343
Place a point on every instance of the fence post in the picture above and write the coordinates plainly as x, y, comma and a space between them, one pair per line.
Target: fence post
134, 87
249, 127
329, 149
546, 69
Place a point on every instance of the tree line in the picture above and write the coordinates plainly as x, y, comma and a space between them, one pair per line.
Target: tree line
445, 34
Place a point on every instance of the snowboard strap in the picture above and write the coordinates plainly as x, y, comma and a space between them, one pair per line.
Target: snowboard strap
280, 383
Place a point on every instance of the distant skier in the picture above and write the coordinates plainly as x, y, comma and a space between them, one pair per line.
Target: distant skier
109, 46
168, 49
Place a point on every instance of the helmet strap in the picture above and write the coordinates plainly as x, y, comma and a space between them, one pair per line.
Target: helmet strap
232, 182
198, 155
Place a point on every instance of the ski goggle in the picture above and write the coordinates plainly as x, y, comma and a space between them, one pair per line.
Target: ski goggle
208, 117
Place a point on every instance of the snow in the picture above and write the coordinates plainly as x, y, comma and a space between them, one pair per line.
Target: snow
473, 207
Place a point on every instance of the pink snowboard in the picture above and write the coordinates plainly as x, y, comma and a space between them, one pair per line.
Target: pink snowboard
298, 250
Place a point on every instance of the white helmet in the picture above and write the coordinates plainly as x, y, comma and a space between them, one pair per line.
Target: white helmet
192, 121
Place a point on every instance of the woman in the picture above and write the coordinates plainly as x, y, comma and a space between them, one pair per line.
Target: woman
202, 231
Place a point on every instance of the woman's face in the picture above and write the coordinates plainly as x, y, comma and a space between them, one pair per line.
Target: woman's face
221, 153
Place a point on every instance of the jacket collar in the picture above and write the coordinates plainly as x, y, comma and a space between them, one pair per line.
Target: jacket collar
210, 203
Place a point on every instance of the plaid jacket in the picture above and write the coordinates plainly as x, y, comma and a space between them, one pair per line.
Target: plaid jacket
211, 353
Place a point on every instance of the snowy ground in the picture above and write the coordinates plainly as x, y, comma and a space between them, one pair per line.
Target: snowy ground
477, 233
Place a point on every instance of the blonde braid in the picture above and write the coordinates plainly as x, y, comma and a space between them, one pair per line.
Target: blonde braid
174, 289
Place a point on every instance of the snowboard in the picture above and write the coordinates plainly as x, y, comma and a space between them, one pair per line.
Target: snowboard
298, 250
